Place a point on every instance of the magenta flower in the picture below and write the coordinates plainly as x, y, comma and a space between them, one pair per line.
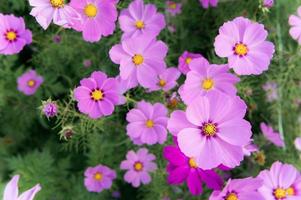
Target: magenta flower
11, 191
139, 19
204, 78
244, 43
182, 168
98, 18
281, 182
185, 60
271, 88
147, 123
271, 135
46, 11
268, 3
138, 166
173, 8
140, 59
49, 108
239, 189
167, 80
97, 95
99, 178
207, 3
13, 34
29, 82
297, 143
212, 126
295, 23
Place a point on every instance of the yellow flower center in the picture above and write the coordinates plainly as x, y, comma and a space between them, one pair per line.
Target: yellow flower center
97, 95
279, 193
149, 123
188, 60
11, 36
241, 49
138, 166
172, 5
231, 196
91, 10
192, 163
290, 191
139, 24
57, 3
162, 83
138, 59
209, 129
207, 84
31, 83
98, 176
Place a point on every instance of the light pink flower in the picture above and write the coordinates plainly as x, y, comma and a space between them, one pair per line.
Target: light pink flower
167, 80
185, 60
295, 23
271, 135
173, 8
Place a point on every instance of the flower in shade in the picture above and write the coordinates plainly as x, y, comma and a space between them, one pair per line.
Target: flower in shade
29, 82
139, 19
268, 3
11, 191
167, 80
49, 108
295, 23
185, 60
98, 18
87, 63
181, 169
212, 126
57, 39
141, 59
271, 135
13, 34
97, 95
138, 166
99, 178
281, 182
46, 11
244, 43
297, 143
173, 8
207, 3
204, 78
271, 88
147, 123
239, 189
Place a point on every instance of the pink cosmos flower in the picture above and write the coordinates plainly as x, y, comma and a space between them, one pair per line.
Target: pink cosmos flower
99, 178
268, 3
141, 59
46, 11
181, 168
244, 43
295, 23
207, 3
11, 191
281, 182
212, 126
204, 78
13, 34
239, 189
29, 82
271, 135
98, 18
297, 143
139, 19
250, 148
97, 95
167, 80
185, 60
138, 166
173, 8
147, 123
271, 89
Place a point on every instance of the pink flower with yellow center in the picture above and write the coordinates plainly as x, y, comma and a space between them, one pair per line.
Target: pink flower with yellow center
29, 82
173, 8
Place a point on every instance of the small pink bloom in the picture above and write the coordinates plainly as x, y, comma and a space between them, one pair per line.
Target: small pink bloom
147, 123
138, 166
185, 60
297, 143
204, 78
268, 3
141, 59
271, 135
139, 19
11, 191
244, 43
173, 8
167, 80
207, 3
13, 34
99, 178
295, 23
29, 82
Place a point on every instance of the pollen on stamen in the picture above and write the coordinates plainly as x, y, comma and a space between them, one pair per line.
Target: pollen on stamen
279, 193
97, 95
139, 24
209, 129
98, 176
57, 3
207, 84
231, 196
137, 59
138, 166
90, 10
240, 49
